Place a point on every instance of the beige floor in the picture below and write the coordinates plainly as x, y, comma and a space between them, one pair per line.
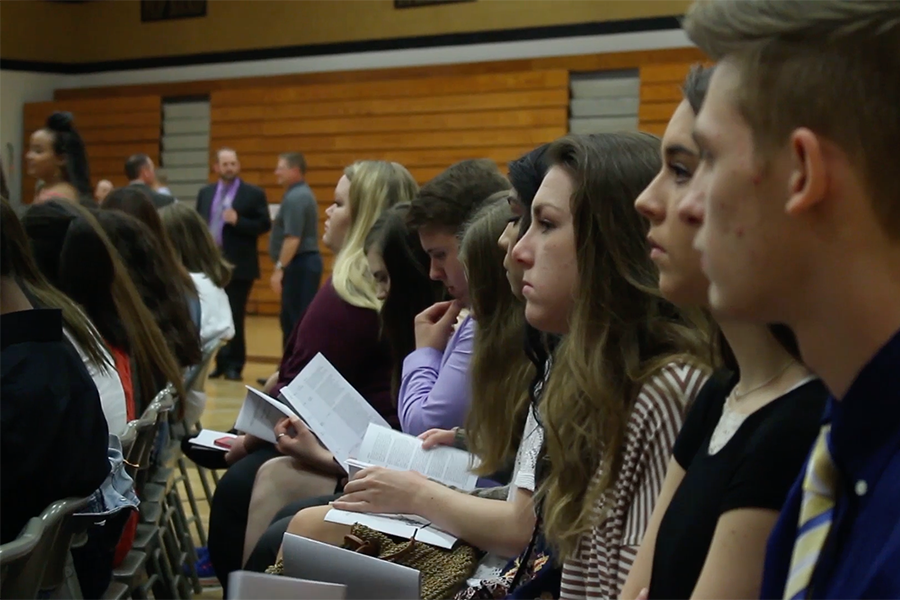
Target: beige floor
224, 399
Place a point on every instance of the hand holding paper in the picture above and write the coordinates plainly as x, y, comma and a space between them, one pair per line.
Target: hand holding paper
380, 490
293, 438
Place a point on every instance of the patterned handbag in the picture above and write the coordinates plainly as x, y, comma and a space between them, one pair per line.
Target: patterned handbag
443, 571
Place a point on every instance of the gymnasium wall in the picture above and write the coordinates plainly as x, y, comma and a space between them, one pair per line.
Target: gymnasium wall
113, 31
423, 107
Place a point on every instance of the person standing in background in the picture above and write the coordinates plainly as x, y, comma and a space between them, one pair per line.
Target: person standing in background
237, 213
104, 187
161, 184
141, 173
294, 243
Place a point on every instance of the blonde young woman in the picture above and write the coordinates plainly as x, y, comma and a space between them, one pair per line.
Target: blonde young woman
341, 323
626, 367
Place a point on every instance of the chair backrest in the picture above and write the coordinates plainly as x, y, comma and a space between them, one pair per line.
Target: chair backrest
197, 375
143, 431
14, 557
36, 560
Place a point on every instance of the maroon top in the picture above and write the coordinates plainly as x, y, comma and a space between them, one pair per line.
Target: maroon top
350, 338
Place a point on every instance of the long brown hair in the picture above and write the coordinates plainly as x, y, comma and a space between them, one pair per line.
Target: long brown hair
17, 262
88, 270
194, 244
621, 331
135, 202
499, 368
141, 254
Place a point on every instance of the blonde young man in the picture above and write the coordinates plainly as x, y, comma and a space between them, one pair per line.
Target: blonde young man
798, 181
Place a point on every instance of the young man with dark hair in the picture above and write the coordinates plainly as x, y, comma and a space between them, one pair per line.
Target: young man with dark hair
294, 243
141, 174
434, 388
801, 225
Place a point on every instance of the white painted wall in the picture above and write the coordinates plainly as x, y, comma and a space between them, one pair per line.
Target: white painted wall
591, 44
17, 88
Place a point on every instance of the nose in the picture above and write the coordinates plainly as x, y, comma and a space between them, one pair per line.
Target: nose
329, 210
691, 209
649, 204
523, 252
503, 240
435, 272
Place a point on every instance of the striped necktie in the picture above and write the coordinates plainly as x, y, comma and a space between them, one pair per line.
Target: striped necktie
816, 513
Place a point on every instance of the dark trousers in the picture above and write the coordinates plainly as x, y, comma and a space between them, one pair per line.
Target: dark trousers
302, 277
234, 354
266, 551
228, 512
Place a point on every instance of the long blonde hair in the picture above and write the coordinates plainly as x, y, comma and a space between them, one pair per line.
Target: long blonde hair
374, 186
499, 369
621, 331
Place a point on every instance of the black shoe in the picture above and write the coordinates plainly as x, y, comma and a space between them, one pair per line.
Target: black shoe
217, 373
233, 375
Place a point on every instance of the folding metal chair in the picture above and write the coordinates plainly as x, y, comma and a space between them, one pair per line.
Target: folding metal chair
39, 561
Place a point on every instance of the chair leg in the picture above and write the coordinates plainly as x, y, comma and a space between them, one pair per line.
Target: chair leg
192, 501
179, 519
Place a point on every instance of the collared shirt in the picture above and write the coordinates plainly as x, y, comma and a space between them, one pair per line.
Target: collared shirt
53, 435
298, 216
861, 558
434, 388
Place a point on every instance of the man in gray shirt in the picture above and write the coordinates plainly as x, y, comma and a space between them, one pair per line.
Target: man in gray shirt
294, 243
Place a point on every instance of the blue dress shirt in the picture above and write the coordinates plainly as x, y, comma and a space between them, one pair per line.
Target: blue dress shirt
861, 557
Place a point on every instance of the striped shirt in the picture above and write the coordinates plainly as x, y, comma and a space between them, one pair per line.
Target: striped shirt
604, 557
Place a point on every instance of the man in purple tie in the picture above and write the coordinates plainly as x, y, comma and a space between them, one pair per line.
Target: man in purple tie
237, 213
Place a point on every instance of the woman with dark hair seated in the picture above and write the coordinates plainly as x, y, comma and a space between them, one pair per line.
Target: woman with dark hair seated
74, 253
135, 202
158, 283
45, 391
56, 157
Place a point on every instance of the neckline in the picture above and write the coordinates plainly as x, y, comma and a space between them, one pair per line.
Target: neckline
742, 418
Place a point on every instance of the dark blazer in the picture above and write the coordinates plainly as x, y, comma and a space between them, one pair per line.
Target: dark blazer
159, 200
239, 241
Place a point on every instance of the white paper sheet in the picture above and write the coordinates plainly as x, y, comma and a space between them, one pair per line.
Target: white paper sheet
331, 407
399, 525
207, 438
395, 450
259, 414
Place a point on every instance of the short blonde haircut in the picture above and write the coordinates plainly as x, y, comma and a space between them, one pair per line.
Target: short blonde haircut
828, 65
374, 186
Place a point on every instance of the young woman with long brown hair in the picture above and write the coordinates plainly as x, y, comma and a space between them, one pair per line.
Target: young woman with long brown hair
625, 369
195, 248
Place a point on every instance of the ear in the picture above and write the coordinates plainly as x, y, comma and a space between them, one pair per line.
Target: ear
808, 180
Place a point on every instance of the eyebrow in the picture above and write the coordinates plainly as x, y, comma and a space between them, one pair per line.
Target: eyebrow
676, 149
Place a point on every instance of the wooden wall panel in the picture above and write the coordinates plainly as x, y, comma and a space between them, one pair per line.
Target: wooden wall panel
425, 123
112, 128
660, 94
